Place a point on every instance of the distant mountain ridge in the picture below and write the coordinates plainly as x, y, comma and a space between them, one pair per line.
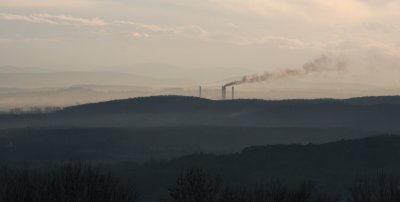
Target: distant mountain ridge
171, 103
375, 113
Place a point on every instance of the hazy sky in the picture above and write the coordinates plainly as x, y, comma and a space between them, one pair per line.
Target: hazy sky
250, 34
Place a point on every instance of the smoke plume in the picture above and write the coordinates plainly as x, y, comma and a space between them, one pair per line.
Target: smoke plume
321, 64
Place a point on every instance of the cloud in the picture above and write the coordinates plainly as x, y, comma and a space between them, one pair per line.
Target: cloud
315, 11
140, 35
198, 32
193, 31
70, 20
306, 10
32, 18
232, 25
145, 30
137, 29
390, 49
75, 4
44, 18
281, 42
151, 27
25, 40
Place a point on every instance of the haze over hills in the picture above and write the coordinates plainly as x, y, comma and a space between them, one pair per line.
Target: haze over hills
372, 113
66, 79
145, 74
23, 87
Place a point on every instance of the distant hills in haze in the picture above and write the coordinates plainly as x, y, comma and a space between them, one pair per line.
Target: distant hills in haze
22, 87
25, 87
146, 74
66, 79
371, 113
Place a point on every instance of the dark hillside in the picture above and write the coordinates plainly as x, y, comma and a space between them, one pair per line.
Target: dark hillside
334, 166
374, 100
142, 144
374, 113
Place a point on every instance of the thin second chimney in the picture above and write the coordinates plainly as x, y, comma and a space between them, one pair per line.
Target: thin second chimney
233, 92
199, 91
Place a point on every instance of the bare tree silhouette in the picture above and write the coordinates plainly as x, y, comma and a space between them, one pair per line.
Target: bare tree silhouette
71, 182
195, 185
382, 188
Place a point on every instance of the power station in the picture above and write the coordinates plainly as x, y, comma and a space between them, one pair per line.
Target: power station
223, 92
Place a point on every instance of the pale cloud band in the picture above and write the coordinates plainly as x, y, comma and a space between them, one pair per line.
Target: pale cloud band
244, 29
44, 18
145, 30
50, 4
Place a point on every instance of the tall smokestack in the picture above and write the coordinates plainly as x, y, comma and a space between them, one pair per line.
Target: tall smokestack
200, 91
233, 92
223, 92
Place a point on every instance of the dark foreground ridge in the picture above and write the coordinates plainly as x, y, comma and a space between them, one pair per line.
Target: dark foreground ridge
374, 113
351, 170
333, 166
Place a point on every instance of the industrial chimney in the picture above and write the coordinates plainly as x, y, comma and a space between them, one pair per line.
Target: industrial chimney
233, 92
223, 92
200, 91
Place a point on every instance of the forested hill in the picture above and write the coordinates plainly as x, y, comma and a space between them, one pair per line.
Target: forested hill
370, 154
333, 166
377, 113
182, 103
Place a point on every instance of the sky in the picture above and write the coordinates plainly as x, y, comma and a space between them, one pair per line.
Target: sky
252, 35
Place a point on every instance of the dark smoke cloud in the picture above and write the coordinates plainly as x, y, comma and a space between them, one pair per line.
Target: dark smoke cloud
321, 64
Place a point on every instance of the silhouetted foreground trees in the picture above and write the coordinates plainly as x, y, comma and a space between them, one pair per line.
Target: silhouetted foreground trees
77, 182
382, 188
73, 182
196, 185
34, 110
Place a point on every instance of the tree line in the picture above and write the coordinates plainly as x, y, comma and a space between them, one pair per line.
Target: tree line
79, 182
33, 110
